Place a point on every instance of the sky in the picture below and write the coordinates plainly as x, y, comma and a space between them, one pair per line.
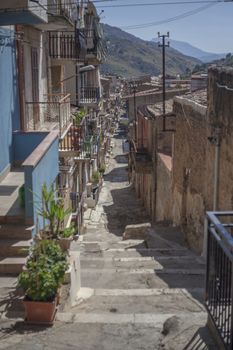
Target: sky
210, 29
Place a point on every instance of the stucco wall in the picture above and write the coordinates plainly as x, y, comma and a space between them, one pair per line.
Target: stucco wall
164, 188
220, 112
189, 170
40, 167
9, 111
25, 143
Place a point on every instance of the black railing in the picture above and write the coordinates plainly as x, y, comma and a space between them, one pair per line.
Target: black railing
67, 45
219, 274
62, 45
89, 95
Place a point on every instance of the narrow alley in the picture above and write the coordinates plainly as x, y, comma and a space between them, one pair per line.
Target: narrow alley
135, 295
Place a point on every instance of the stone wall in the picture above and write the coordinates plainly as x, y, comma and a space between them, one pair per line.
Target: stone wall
164, 188
150, 99
220, 114
189, 170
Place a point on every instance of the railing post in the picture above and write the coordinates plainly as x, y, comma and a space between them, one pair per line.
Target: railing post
59, 118
231, 330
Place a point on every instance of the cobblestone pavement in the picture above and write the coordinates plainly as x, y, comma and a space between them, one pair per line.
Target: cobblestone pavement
135, 295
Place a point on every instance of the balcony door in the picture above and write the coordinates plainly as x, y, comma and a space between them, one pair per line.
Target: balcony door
35, 86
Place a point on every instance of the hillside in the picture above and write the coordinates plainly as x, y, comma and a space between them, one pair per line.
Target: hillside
226, 62
190, 50
131, 56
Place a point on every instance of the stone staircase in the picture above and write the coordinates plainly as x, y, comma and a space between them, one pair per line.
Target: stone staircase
15, 240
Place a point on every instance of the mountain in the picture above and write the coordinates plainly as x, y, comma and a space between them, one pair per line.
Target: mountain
132, 56
190, 50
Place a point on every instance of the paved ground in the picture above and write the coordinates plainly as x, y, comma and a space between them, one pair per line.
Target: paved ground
135, 295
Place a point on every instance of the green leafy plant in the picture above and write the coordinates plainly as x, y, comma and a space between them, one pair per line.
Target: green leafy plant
102, 169
95, 176
79, 115
52, 211
68, 232
45, 271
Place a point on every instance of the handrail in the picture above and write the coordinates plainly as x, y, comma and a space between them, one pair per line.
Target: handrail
219, 278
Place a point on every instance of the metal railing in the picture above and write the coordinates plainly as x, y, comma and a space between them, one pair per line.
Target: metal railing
65, 8
73, 139
53, 113
89, 95
62, 45
67, 45
219, 274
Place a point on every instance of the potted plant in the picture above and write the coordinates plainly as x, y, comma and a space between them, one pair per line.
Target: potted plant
95, 177
44, 273
65, 237
54, 215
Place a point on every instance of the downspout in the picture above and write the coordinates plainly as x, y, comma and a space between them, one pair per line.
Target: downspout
21, 85
216, 168
154, 170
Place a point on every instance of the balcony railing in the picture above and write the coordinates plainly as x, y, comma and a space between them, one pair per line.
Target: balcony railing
66, 45
54, 113
64, 8
89, 95
219, 280
75, 140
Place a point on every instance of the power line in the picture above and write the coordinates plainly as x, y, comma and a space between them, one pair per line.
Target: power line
54, 6
171, 19
165, 3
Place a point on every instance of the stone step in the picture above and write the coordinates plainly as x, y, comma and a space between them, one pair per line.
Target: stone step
11, 266
12, 219
14, 248
155, 320
156, 301
141, 278
15, 231
164, 262
133, 252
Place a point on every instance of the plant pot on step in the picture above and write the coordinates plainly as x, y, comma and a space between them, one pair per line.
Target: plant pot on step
40, 312
65, 243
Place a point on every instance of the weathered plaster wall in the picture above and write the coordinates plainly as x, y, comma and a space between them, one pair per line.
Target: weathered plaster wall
189, 170
164, 188
9, 111
150, 99
220, 112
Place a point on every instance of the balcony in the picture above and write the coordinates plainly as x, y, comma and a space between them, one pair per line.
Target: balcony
54, 113
62, 8
89, 96
23, 12
66, 46
78, 144
96, 47
219, 279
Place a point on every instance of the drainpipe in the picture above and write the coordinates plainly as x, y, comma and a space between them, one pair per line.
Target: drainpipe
216, 168
21, 85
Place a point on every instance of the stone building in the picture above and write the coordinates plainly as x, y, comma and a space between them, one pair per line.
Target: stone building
180, 175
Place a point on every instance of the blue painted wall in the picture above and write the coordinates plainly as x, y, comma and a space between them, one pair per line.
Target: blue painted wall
46, 171
25, 143
9, 102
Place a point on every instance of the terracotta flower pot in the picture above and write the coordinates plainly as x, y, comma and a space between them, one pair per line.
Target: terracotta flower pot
65, 243
40, 312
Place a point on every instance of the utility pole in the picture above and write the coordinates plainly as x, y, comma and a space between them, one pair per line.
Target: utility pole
133, 87
164, 45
